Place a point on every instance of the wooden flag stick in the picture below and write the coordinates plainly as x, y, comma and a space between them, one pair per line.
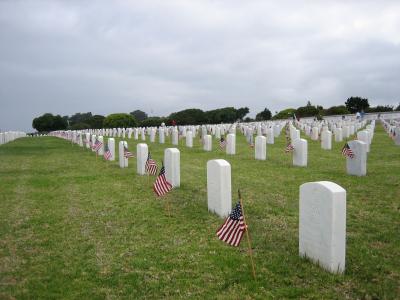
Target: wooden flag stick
168, 206
248, 237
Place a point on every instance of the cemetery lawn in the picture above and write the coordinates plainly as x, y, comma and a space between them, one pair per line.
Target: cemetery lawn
73, 227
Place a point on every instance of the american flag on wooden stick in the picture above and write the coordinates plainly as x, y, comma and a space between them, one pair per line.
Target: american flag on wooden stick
107, 152
151, 166
161, 185
347, 152
231, 232
127, 153
289, 147
222, 143
97, 145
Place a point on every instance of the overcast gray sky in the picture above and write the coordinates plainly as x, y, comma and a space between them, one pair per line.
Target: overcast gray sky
162, 56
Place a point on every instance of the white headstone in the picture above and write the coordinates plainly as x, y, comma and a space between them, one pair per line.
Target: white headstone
358, 164
142, 154
338, 135
364, 137
207, 142
101, 150
175, 139
270, 136
152, 135
189, 139
326, 140
123, 162
314, 133
261, 148
111, 146
300, 153
161, 136
172, 166
397, 136
322, 224
143, 135
231, 144
277, 130
219, 187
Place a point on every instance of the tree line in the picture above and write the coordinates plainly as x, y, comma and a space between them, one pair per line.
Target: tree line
49, 122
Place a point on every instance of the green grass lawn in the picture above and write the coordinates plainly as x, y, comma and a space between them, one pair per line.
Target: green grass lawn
74, 227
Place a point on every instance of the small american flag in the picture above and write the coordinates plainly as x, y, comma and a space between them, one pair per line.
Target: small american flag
161, 185
107, 153
347, 152
97, 145
231, 232
289, 148
151, 166
127, 153
222, 143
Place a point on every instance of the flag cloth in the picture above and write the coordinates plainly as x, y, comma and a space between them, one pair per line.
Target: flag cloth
127, 153
289, 147
347, 152
151, 166
231, 232
107, 152
161, 185
97, 145
222, 143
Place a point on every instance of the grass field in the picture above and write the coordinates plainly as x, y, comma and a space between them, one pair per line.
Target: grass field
74, 227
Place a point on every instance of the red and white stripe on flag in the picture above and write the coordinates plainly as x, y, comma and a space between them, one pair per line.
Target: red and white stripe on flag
231, 232
161, 185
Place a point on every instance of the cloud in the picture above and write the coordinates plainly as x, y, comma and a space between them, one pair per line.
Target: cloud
162, 56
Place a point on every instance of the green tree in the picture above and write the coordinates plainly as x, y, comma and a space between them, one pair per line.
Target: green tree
192, 116
139, 115
79, 126
119, 121
397, 108
380, 108
264, 115
80, 118
222, 115
48, 122
355, 104
336, 110
96, 121
153, 121
307, 111
242, 112
284, 114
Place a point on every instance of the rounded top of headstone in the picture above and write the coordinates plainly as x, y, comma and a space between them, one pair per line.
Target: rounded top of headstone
329, 185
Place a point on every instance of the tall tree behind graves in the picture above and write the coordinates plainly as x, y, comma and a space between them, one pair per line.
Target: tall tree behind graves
307, 111
336, 110
139, 115
355, 104
242, 112
96, 121
119, 121
49, 122
192, 116
264, 115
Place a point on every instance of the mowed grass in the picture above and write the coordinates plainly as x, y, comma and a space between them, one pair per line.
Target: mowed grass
74, 227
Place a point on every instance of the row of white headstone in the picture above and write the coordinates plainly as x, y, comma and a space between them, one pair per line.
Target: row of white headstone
393, 130
354, 166
9, 136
